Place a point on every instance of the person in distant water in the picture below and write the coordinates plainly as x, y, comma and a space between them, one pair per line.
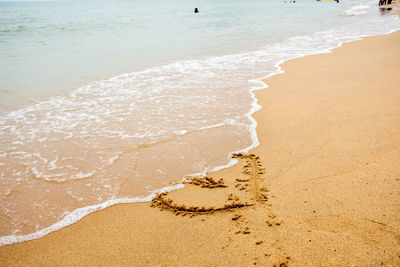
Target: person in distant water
196, 10
385, 10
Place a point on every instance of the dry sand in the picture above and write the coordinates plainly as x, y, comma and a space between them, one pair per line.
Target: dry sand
325, 189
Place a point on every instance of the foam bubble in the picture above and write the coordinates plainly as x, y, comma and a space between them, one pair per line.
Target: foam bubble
357, 10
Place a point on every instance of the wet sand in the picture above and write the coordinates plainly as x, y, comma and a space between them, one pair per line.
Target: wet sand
323, 187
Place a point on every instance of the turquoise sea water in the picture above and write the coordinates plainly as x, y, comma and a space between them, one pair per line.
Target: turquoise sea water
50, 47
105, 101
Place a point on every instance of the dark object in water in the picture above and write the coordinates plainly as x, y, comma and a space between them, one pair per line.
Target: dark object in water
196, 10
383, 2
385, 10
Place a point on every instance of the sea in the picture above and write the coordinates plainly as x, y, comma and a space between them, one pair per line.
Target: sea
111, 101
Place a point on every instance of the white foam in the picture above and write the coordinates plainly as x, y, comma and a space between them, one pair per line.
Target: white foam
360, 9
81, 175
113, 159
52, 164
356, 11
217, 125
183, 132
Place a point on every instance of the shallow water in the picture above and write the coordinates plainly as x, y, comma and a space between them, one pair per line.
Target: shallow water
104, 102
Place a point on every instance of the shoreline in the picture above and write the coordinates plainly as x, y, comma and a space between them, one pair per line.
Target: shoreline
80, 213
300, 49
326, 227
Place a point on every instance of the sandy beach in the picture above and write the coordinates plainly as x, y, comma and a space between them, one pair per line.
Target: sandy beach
321, 189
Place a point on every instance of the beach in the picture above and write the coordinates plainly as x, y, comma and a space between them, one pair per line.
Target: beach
321, 189
117, 126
